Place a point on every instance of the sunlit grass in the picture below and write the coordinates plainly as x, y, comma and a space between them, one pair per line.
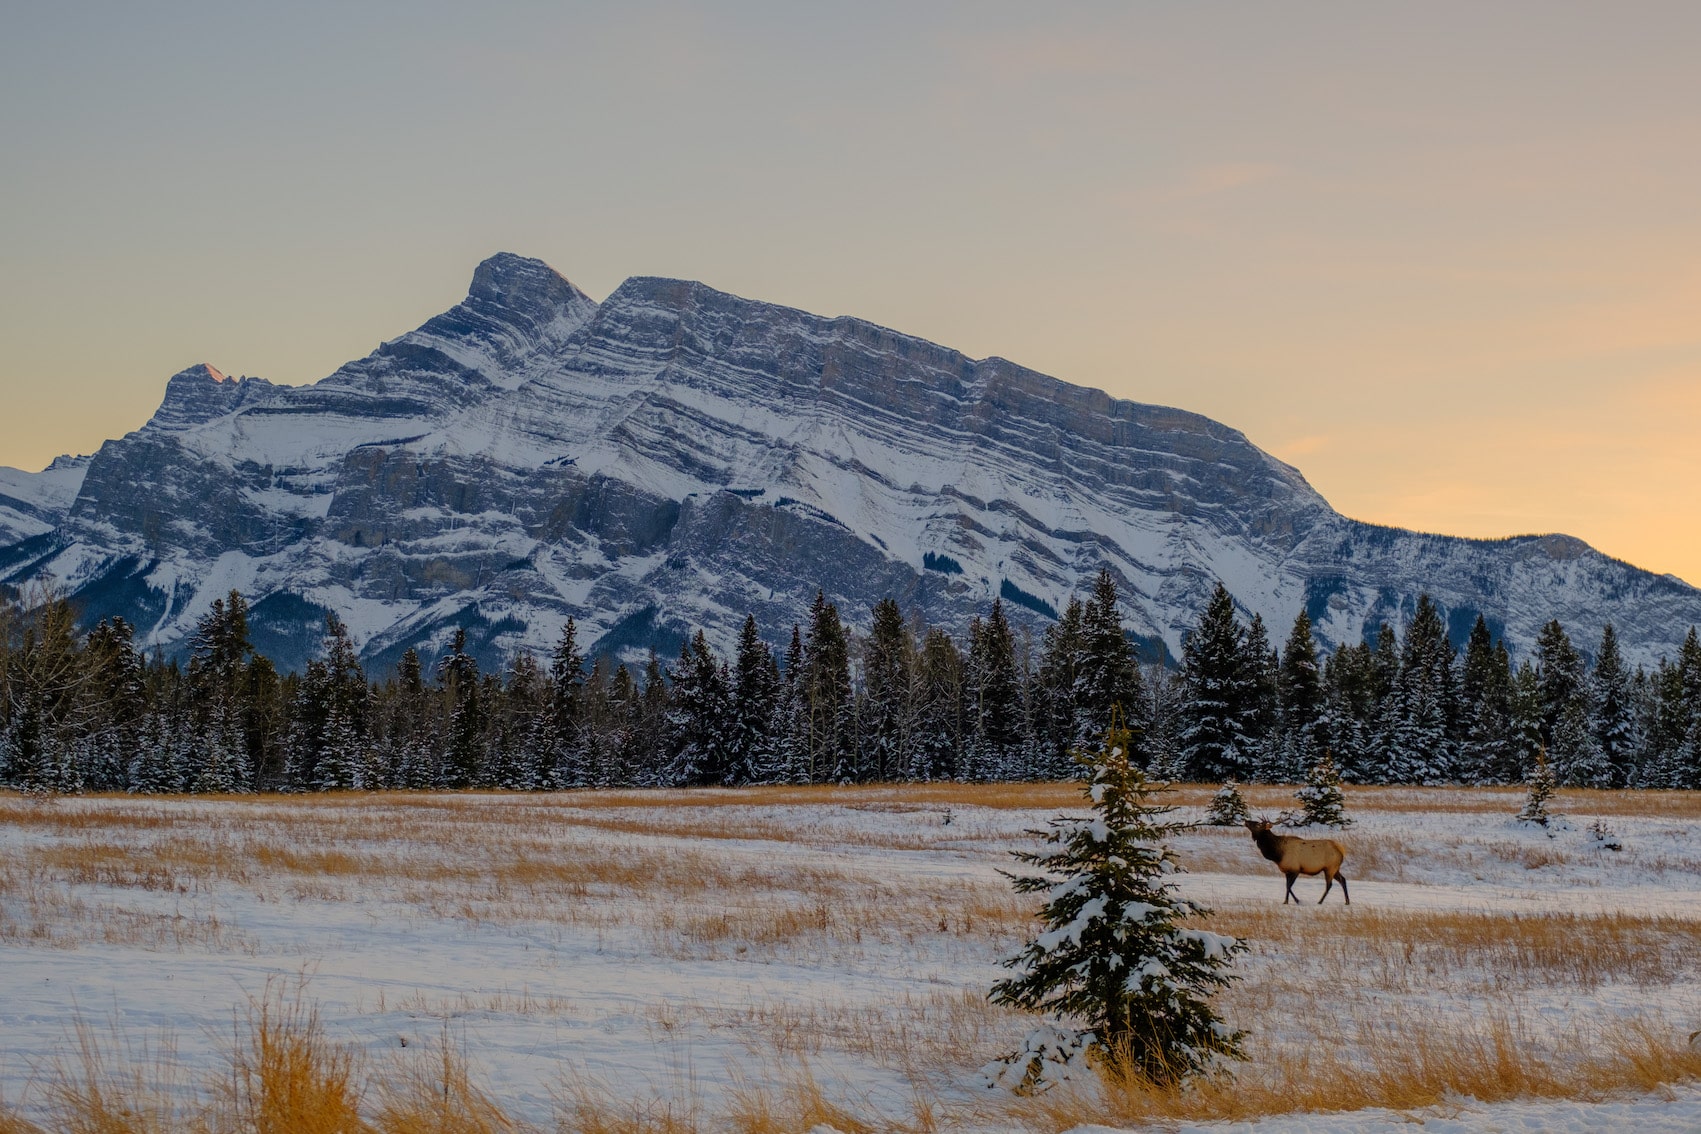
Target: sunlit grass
1348, 1007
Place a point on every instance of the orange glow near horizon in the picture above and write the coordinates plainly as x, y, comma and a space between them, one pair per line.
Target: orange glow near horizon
1446, 262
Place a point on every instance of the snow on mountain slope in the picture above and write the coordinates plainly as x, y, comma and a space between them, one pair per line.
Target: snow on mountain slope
676, 456
32, 504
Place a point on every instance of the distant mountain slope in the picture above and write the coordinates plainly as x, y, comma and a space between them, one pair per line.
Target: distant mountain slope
675, 456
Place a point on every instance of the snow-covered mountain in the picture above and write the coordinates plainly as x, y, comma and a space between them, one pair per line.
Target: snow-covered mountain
677, 457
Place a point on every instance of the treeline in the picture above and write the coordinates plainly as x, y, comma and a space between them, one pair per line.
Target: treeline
89, 712
1412, 709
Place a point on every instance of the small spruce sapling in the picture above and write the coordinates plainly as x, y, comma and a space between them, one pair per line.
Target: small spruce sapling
1603, 837
1541, 790
1322, 802
1120, 981
1228, 807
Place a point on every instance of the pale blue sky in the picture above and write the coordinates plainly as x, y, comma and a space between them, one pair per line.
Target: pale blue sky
1445, 257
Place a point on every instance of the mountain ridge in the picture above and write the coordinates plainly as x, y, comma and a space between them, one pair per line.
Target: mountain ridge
677, 456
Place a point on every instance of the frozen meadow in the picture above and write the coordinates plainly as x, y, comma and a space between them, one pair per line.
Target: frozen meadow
785, 958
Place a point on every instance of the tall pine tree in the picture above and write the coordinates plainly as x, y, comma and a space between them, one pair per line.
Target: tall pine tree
1217, 737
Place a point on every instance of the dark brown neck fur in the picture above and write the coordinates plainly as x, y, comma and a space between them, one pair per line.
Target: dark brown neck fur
1269, 844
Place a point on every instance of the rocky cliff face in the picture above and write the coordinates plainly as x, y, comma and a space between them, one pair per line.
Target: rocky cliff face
676, 456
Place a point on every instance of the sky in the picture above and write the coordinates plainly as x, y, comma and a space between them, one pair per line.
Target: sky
1443, 258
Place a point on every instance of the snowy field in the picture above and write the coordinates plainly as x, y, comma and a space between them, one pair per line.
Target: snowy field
778, 959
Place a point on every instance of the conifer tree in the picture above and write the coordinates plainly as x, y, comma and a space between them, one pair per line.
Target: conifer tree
565, 731
265, 721
793, 716
117, 693
153, 768
1322, 803
340, 765
887, 673
1612, 722
1681, 713
1486, 751
827, 696
458, 679
1263, 677
220, 653
757, 749
1108, 673
1560, 669
1114, 971
1228, 807
1645, 702
522, 743
600, 720
1384, 663
1525, 723
414, 726
1577, 760
1542, 788
647, 744
220, 756
936, 728
699, 712
1165, 693
1060, 729
995, 746
1351, 707
46, 700
1417, 737
328, 744
1219, 713
1300, 704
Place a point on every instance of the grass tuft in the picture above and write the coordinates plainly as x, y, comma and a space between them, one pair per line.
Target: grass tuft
285, 1076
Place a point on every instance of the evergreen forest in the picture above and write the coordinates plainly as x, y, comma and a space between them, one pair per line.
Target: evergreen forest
88, 712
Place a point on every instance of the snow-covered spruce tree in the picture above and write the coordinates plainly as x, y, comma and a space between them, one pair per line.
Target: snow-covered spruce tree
1541, 790
1612, 720
1108, 674
1228, 808
826, 693
1300, 706
1120, 981
993, 748
564, 721
936, 714
1577, 759
1321, 801
1219, 711
888, 672
1263, 673
699, 717
758, 755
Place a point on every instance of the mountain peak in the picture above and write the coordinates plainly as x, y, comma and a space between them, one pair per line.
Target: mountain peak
680, 457
522, 284
201, 371
200, 393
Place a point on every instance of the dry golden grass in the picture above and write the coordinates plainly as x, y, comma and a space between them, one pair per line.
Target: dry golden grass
435, 1094
1469, 951
87, 1094
1400, 1063
285, 1076
1348, 1007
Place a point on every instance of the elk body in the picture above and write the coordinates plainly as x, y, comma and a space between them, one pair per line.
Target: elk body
1294, 856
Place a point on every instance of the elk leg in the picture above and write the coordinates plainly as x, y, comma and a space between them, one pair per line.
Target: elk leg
1291, 880
1328, 884
1343, 880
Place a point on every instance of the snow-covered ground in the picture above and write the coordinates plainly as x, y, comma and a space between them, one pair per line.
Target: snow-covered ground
697, 949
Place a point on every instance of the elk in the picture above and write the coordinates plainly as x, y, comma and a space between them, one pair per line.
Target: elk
1294, 856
